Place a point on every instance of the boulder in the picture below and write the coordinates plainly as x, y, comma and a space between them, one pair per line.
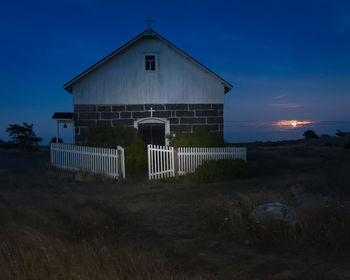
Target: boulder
274, 211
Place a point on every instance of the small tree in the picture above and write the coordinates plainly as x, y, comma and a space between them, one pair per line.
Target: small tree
23, 136
310, 134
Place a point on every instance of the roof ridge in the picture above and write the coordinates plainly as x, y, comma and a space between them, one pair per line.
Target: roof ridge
151, 32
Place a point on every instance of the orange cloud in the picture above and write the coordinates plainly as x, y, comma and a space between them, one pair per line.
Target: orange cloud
286, 124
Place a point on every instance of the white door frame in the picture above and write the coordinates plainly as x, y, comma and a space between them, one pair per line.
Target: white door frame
155, 120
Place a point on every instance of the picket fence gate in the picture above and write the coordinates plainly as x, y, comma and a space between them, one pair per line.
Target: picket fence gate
160, 162
165, 161
109, 162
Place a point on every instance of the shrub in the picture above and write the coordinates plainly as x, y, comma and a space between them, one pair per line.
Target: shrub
326, 136
340, 133
347, 145
128, 138
200, 137
53, 140
310, 134
213, 170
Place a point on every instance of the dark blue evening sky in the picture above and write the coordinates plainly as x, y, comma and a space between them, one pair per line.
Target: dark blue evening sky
287, 60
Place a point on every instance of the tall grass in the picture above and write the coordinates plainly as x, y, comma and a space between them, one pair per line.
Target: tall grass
318, 224
62, 234
33, 255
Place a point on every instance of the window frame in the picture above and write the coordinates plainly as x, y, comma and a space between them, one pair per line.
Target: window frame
156, 65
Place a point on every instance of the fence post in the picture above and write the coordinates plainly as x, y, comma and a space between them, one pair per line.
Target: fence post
119, 159
121, 163
176, 164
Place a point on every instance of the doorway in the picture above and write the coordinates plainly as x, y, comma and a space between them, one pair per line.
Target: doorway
152, 133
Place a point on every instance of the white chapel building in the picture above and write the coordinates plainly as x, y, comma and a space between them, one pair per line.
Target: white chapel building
149, 84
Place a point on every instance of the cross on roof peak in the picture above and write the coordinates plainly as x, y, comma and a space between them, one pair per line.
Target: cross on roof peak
149, 21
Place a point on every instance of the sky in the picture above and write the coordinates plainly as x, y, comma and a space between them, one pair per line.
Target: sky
289, 61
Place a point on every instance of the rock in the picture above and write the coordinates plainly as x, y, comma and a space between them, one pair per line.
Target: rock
274, 211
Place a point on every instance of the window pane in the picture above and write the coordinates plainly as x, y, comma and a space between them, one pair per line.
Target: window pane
150, 62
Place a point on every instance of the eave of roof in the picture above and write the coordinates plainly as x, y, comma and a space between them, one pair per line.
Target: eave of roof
147, 32
63, 116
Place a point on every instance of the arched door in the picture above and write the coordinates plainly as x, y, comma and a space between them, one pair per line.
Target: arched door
153, 133
153, 130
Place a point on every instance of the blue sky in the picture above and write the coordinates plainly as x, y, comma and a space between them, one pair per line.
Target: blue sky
287, 60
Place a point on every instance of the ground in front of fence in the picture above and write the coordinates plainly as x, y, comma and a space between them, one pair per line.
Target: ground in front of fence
54, 227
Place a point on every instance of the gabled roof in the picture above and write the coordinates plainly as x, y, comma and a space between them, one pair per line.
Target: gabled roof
147, 32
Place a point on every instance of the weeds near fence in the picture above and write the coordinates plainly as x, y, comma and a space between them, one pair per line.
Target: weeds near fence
214, 170
200, 137
110, 137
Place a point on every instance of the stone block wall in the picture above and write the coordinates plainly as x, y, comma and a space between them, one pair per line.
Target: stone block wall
182, 117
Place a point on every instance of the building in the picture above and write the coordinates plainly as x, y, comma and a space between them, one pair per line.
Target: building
151, 85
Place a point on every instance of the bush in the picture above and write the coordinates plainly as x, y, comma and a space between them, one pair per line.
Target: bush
201, 137
214, 170
325, 136
53, 140
347, 145
126, 137
340, 133
310, 134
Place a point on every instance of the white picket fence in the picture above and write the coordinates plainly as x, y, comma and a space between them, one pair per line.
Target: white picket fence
165, 161
109, 162
160, 162
191, 158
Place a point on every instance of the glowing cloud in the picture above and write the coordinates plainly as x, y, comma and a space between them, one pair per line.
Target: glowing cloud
281, 96
290, 124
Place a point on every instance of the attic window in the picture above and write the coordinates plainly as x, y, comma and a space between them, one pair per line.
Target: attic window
150, 62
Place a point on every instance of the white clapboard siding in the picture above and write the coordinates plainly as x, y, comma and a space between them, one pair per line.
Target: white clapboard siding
190, 158
160, 162
97, 160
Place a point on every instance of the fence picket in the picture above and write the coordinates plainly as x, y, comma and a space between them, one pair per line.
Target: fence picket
161, 159
96, 160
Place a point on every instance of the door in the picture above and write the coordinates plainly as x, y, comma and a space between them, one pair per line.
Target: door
153, 133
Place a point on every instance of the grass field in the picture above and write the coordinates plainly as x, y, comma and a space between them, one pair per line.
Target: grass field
60, 225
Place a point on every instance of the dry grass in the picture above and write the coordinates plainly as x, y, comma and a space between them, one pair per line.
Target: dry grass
60, 225
33, 255
49, 232
319, 224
